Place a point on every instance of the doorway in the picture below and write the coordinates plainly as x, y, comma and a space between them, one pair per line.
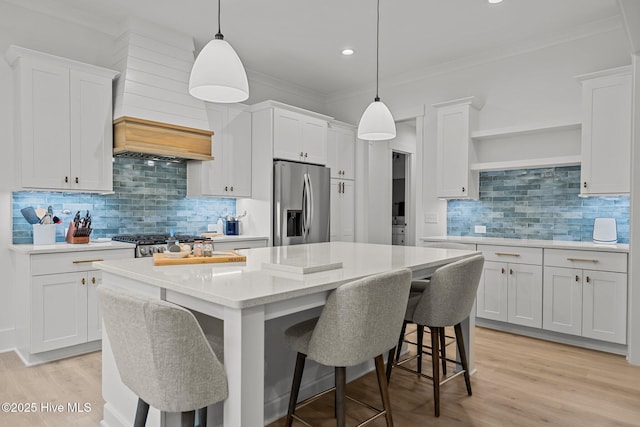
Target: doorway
399, 195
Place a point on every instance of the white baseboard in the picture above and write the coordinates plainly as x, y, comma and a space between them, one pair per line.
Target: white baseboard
7, 340
49, 356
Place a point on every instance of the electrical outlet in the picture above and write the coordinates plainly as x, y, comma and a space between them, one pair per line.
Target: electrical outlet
430, 218
480, 229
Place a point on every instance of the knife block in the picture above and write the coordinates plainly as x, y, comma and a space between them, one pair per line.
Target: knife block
75, 239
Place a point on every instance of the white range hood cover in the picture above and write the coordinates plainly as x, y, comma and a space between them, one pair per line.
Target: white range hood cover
155, 64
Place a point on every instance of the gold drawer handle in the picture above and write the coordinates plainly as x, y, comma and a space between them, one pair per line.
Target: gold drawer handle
582, 260
506, 254
87, 260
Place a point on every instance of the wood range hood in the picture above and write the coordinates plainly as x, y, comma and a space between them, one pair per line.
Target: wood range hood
147, 139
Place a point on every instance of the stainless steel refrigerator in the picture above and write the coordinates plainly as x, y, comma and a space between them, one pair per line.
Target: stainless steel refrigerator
301, 203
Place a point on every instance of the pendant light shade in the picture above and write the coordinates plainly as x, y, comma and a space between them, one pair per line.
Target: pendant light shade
218, 74
376, 123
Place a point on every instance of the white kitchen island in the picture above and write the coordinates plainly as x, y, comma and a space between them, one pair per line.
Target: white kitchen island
246, 297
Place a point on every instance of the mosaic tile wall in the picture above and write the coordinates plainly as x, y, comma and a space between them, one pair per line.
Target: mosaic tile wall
535, 204
146, 199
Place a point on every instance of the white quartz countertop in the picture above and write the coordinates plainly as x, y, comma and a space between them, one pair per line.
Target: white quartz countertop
241, 285
238, 238
546, 244
68, 247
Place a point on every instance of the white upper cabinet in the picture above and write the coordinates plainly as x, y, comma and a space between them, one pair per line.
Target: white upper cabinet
63, 126
341, 151
606, 132
229, 175
455, 151
299, 137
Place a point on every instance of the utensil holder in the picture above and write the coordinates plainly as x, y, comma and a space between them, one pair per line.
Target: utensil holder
75, 239
44, 234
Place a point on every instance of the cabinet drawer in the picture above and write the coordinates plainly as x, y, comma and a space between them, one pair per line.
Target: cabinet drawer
516, 254
68, 262
587, 260
397, 230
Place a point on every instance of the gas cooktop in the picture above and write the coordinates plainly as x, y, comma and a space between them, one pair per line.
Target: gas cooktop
148, 244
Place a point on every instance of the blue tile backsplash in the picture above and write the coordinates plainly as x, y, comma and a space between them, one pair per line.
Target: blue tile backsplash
146, 199
535, 204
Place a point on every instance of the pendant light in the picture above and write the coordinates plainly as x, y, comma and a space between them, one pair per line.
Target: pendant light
377, 123
218, 74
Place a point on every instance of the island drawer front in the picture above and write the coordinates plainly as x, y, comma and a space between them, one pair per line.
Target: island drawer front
69, 262
236, 246
514, 254
586, 260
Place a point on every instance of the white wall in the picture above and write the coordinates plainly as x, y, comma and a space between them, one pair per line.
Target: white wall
37, 31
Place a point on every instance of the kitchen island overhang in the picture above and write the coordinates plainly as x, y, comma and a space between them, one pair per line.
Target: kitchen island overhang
247, 296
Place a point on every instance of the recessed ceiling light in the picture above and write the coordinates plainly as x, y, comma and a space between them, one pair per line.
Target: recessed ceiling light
495, 1
347, 52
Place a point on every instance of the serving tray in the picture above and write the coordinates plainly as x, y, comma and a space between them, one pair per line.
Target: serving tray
218, 256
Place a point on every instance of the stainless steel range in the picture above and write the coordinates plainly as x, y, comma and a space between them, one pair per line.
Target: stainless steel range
149, 244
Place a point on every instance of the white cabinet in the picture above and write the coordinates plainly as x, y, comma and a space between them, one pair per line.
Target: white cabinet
242, 243
606, 132
57, 301
341, 151
63, 123
456, 119
299, 137
398, 234
585, 294
510, 288
229, 175
343, 202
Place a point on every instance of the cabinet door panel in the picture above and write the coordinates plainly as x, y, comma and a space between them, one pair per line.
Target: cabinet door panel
347, 212
44, 127
287, 135
604, 311
91, 132
314, 138
347, 153
59, 307
335, 223
525, 295
492, 292
562, 300
238, 153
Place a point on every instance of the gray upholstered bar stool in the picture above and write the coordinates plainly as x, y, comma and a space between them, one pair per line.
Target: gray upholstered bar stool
418, 286
163, 356
446, 301
360, 321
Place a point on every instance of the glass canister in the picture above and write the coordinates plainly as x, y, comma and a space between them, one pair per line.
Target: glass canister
208, 248
198, 248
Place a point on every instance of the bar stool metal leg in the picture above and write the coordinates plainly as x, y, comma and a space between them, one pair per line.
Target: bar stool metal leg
202, 417
390, 363
443, 349
188, 419
141, 413
384, 390
341, 385
420, 331
463, 356
435, 354
295, 387
401, 339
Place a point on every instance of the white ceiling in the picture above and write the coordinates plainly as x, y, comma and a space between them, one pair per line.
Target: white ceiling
299, 41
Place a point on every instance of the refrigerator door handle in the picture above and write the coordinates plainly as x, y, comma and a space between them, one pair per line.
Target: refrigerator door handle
304, 208
311, 205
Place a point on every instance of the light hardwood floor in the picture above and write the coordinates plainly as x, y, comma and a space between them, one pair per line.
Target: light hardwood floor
520, 382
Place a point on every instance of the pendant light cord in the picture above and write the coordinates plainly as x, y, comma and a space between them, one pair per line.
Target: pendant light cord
219, 36
377, 98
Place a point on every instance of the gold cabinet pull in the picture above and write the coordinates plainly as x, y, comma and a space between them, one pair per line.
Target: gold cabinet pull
82, 261
502, 270
588, 279
511, 271
506, 254
582, 260
577, 278
77, 180
93, 280
83, 281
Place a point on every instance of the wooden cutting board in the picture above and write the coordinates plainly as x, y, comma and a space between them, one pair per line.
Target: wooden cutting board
218, 256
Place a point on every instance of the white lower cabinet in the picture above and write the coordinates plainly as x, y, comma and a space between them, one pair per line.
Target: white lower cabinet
511, 291
343, 206
57, 300
585, 301
232, 245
